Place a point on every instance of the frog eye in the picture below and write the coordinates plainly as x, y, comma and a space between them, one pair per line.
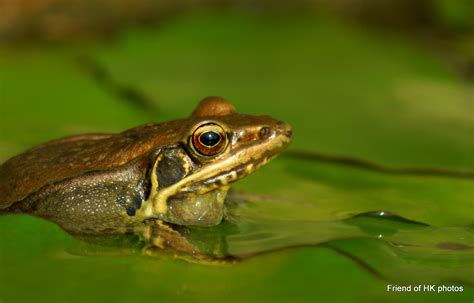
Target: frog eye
209, 139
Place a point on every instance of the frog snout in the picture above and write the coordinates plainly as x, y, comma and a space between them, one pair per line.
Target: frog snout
284, 129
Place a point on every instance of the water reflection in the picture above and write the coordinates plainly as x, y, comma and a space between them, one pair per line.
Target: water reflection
372, 240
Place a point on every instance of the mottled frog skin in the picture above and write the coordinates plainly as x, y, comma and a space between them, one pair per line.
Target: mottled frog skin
177, 172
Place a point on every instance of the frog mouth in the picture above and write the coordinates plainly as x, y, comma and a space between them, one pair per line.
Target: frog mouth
219, 175
228, 177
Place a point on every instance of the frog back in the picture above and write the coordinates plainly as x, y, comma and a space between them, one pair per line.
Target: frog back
72, 156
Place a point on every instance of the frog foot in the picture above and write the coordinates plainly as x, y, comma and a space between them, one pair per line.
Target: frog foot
162, 238
198, 258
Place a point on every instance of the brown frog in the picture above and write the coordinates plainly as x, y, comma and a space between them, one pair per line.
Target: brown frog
177, 172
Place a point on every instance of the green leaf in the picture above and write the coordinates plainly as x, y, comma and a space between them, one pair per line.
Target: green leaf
306, 229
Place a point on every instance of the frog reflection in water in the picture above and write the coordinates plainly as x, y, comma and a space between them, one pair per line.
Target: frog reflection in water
177, 172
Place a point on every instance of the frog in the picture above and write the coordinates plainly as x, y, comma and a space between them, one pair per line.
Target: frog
173, 173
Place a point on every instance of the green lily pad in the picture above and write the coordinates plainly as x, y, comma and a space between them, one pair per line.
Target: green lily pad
305, 229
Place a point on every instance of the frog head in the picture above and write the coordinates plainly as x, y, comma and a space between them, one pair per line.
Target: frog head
218, 146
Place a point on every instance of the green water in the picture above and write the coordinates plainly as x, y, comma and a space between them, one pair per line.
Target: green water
303, 230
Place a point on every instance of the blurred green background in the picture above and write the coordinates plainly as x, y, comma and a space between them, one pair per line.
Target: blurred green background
383, 82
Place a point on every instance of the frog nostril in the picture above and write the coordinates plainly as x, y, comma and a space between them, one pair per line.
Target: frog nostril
285, 129
264, 132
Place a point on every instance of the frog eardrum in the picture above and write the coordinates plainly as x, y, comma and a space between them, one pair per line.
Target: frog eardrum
177, 172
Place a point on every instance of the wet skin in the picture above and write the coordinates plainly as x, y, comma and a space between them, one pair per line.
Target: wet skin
176, 172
